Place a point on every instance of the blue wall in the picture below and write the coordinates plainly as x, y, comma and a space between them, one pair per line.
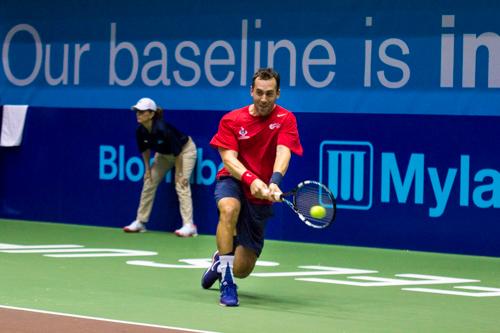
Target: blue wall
428, 182
397, 105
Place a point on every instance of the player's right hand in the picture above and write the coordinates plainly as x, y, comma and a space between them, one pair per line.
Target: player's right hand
274, 193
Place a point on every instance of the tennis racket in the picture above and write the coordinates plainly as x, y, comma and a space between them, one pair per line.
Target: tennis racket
313, 203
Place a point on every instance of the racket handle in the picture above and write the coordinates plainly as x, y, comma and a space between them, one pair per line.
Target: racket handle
276, 195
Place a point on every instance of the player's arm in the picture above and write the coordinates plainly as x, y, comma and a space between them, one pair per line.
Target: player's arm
230, 159
283, 156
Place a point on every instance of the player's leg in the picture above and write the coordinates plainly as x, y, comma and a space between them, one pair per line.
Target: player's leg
227, 196
244, 261
229, 209
183, 188
250, 241
224, 238
250, 226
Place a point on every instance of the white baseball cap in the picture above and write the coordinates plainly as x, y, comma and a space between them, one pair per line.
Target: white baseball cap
144, 104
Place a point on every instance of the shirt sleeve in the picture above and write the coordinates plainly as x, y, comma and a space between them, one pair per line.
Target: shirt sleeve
225, 136
289, 135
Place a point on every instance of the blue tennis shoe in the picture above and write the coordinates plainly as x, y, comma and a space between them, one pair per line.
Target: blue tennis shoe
228, 291
211, 275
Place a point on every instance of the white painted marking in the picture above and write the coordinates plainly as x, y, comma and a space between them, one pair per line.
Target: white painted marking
317, 270
70, 248
4, 246
190, 263
385, 282
487, 292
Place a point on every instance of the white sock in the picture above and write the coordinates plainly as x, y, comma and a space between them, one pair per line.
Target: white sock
219, 270
225, 263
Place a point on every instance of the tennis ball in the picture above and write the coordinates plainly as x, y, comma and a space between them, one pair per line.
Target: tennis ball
318, 212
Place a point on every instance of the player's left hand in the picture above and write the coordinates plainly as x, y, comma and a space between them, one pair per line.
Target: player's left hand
259, 189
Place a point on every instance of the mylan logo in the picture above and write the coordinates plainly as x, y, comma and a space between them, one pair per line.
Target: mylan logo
346, 167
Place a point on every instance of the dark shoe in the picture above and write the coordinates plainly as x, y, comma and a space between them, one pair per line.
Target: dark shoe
228, 294
211, 275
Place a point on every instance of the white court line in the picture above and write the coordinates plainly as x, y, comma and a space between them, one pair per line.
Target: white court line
103, 319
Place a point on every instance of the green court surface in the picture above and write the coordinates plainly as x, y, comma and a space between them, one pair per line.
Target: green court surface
102, 272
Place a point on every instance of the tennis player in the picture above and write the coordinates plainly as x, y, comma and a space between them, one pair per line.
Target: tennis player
255, 143
172, 148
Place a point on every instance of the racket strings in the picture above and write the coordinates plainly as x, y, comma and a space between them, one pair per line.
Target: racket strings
311, 195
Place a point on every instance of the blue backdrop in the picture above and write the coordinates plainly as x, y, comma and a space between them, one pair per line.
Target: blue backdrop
397, 107
428, 182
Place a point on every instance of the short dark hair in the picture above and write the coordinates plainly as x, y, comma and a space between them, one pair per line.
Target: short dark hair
266, 74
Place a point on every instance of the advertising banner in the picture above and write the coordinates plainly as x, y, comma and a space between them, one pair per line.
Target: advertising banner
434, 57
413, 182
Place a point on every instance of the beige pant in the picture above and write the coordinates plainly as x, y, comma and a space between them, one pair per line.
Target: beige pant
162, 164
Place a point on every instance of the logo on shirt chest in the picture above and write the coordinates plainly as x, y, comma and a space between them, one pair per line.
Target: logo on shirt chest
243, 134
274, 125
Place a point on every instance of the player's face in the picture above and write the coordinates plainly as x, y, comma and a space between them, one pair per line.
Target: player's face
264, 94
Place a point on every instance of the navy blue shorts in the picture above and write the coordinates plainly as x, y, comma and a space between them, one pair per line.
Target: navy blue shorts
252, 220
